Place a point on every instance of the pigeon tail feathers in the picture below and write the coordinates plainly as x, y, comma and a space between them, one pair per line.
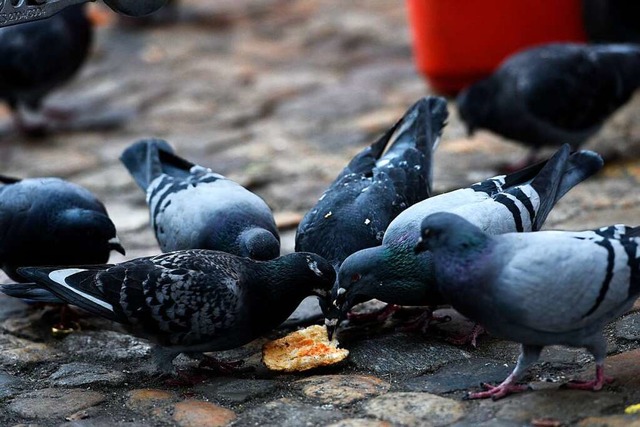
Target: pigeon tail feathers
30, 292
8, 180
562, 172
67, 283
143, 160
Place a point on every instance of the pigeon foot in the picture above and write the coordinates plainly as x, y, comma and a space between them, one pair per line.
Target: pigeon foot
594, 385
499, 391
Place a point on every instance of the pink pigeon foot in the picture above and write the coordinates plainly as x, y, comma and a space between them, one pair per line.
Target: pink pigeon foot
594, 385
499, 391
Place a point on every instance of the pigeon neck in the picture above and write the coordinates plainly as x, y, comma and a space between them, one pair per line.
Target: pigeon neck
457, 267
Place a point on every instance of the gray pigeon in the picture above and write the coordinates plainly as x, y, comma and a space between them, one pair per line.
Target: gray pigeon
376, 185
190, 301
517, 202
553, 94
539, 289
192, 207
50, 221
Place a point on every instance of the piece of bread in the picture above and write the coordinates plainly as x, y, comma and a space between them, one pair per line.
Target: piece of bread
302, 350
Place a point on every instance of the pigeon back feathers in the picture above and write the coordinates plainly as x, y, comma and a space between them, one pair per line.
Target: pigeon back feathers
375, 186
192, 207
49, 221
553, 94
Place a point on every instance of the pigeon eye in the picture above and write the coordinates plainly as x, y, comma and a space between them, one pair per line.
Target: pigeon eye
355, 277
426, 232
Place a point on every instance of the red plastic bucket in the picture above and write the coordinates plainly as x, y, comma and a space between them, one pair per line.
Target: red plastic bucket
457, 42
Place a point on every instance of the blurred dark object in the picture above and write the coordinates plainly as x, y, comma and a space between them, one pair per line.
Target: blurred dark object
19, 11
612, 21
136, 7
37, 57
458, 43
169, 14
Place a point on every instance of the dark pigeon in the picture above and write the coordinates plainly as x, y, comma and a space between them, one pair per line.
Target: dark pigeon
513, 203
190, 301
38, 57
354, 212
192, 207
553, 94
538, 289
49, 221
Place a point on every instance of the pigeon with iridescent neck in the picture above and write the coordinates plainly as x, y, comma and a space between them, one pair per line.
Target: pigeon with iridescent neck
538, 289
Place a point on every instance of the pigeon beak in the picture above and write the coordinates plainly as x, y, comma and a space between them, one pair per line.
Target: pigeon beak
421, 246
332, 327
115, 245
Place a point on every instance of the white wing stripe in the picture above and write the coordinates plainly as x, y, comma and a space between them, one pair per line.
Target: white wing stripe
60, 276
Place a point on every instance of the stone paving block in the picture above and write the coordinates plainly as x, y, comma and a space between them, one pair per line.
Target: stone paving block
236, 390
105, 346
360, 422
611, 421
85, 374
628, 327
9, 385
402, 354
564, 405
196, 413
461, 375
415, 409
17, 352
342, 389
288, 412
50, 403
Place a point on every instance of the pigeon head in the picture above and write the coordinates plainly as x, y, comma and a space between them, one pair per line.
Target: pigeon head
259, 244
448, 231
473, 105
75, 227
359, 274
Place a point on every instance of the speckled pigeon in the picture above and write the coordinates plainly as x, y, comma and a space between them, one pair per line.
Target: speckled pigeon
37, 57
553, 94
49, 221
516, 202
190, 301
354, 212
192, 207
539, 289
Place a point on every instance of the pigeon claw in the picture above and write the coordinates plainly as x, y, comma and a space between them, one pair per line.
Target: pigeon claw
497, 392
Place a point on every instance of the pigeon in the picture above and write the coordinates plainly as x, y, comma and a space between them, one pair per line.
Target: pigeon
49, 221
538, 289
354, 212
192, 207
516, 202
38, 57
190, 301
553, 94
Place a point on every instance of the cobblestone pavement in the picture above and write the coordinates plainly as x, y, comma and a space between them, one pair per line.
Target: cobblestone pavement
279, 95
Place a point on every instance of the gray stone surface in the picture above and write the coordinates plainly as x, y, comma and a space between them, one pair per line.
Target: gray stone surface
289, 413
237, 391
460, 375
628, 327
85, 374
402, 354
